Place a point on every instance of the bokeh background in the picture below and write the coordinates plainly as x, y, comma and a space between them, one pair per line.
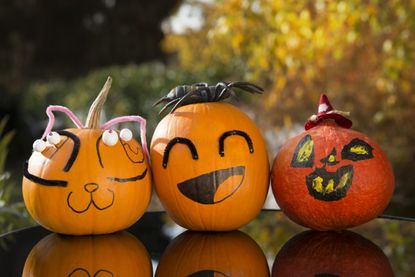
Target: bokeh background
360, 53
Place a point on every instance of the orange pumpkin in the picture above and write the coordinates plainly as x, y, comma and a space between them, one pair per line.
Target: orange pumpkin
210, 166
87, 180
344, 254
213, 254
330, 177
118, 254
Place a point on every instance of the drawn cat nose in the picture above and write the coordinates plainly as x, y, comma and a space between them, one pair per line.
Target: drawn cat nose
91, 187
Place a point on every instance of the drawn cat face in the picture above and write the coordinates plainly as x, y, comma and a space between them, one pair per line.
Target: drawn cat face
82, 185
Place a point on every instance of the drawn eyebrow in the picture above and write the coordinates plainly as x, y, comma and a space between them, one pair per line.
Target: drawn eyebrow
41, 181
131, 179
98, 153
75, 150
180, 140
234, 133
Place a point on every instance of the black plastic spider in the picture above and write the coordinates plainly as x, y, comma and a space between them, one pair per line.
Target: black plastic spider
202, 92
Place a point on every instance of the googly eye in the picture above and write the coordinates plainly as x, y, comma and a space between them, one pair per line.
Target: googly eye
39, 145
53, 138
110, 137
126, 134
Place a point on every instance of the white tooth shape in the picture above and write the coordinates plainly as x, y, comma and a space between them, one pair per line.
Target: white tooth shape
54, 138
39, 145
110, 137
126, 134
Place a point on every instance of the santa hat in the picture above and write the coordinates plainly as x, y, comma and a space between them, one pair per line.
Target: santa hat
326, 111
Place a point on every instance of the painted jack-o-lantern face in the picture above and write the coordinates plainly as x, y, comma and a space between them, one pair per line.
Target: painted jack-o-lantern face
119, 254
87, 180
334, 177
194, 254
210, 166
330, 177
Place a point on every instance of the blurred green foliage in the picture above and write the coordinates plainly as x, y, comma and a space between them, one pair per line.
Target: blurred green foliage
361, 53
12, 211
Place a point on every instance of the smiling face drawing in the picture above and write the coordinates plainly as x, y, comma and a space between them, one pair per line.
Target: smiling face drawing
209, 160
330, 181
84, 182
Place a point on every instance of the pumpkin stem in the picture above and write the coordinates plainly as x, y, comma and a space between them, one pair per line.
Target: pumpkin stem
94, 114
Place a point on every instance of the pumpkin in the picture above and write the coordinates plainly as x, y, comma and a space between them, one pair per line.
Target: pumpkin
331, 254
331, 177
119, 254
210, 166
88, 180
212, 254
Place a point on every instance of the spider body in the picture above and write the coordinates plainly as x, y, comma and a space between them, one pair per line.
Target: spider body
202, 93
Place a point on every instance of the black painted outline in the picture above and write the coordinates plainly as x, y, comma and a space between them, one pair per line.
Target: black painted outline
98, 153
91, 202
87, 272
41, 181
135, 152
348, 155
180, 140
326, 159
131, 179
234, 133
310, 161
327, 175
75, 150
202, 189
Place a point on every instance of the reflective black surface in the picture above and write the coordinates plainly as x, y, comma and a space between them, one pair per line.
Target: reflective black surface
271, 245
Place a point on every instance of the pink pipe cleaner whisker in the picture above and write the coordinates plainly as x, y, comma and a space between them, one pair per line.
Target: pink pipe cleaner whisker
131, 118
65, 110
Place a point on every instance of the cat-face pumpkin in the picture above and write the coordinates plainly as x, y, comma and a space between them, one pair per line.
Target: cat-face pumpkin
87, 180
119, 254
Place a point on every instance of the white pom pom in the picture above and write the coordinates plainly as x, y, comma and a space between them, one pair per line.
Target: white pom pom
54, 138
110, 137
39, 145
126, 134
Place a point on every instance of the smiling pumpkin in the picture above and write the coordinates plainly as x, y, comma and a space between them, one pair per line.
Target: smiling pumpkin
210, 166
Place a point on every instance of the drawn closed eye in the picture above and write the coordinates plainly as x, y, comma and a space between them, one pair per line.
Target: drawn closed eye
175, 141
234, 133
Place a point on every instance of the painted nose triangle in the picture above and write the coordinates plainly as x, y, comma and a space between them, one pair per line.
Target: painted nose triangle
91, 187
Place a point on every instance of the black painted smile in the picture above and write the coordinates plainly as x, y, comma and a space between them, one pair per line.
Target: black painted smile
202, 189
330, 186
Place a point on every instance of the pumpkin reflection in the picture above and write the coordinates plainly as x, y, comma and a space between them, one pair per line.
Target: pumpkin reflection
213, 254
119, 254
345, 253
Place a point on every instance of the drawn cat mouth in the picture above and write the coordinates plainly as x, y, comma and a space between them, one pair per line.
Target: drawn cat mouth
91, 202
203, 188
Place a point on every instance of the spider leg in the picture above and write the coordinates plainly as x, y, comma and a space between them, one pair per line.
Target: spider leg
181, 101
247, 87
168, 105
162, 99
224, 87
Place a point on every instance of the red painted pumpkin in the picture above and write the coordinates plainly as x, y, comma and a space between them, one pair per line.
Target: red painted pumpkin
213, 254
209, 163
118, 254
331, 254
90, 179
330, 177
